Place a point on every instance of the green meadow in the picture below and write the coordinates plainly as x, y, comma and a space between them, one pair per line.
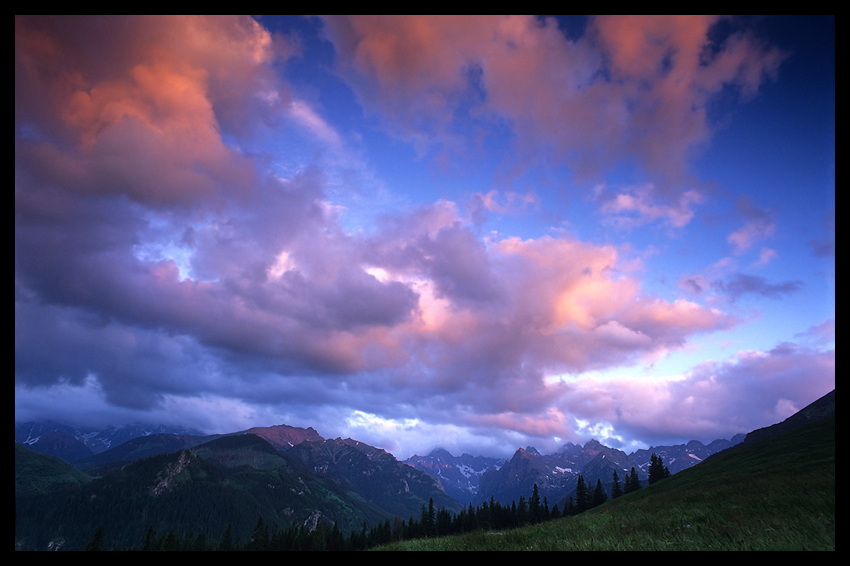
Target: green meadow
775, 494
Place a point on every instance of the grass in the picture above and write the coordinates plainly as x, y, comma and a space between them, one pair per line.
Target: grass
777, 494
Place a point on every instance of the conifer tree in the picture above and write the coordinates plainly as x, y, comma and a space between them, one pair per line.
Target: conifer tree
534, 505
150, 539
582, 497
599, 495
96, 542
227, 541
522, 511
616, 490
632, 482
260, 537
657, 469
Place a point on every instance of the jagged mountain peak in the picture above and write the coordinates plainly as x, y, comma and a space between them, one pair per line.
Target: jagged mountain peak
524, 454
440, 453
569, 448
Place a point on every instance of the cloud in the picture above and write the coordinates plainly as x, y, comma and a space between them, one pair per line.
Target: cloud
304, 115
135, 106
631, 87
740, 284
712, 400
637, 206
825, 247
162, 268
766, 255
759, 224
823, 333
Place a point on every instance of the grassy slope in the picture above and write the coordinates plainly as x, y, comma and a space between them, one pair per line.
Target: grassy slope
776, 494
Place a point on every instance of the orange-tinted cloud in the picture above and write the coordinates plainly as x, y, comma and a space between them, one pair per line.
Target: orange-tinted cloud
633, 88
140, 102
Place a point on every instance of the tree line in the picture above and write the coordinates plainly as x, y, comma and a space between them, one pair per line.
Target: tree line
431, 522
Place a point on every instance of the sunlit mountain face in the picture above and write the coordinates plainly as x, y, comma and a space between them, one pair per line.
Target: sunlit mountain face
477, 233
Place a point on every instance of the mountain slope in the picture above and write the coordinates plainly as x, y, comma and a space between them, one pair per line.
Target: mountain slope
41, 473
775, 494
375, 475
682, 456
284, 437
820, 408
136, 449
460, 476
229, 481
556, 475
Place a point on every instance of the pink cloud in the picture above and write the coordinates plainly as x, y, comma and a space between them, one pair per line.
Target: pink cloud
120, 155
141, 102
638, 206
712, 400
633, 88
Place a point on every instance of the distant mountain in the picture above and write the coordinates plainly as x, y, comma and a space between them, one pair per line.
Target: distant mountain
136, 449
459, 475
556, 475
75, 443
683, 456
375, 475
54, 439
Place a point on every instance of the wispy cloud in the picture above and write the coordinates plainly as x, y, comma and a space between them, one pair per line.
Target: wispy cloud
740, 284
759, 224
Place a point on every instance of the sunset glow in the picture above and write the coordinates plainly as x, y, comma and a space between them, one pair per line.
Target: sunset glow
478, 233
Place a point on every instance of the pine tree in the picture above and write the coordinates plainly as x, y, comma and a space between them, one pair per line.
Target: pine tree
227, 543
616, 490
582, 497
632, 482
599, 495
96, 542
522, 510
657, 469
150, 539
536, 510
260, 537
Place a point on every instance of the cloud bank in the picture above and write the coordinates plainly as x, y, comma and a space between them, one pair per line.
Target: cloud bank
162, 269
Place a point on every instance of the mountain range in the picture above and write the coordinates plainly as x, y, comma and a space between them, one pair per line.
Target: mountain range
475, 479
201, 484
181, 479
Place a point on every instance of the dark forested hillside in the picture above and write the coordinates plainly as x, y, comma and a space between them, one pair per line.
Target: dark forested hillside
231, 481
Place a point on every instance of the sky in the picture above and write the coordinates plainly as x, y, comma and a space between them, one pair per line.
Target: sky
479, 233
